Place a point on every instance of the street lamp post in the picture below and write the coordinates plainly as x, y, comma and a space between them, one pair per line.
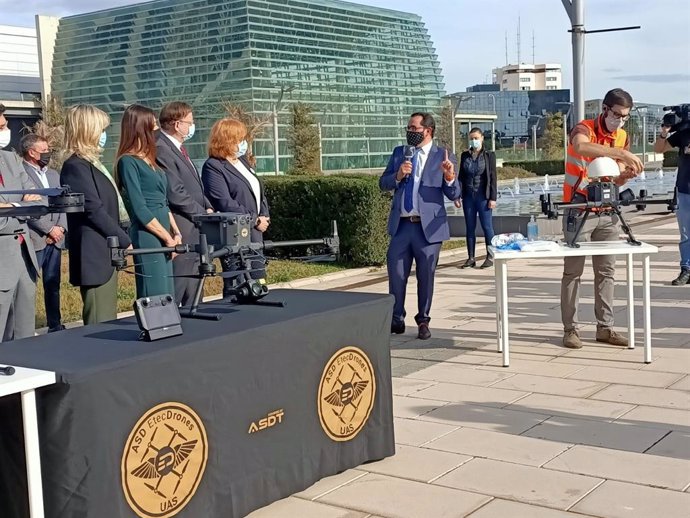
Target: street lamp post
276, 108
493, 124
642, 111
453, 111
534, 134
566, 116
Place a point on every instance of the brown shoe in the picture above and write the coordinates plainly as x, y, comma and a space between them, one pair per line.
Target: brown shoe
571, 339
609, 336
424, 333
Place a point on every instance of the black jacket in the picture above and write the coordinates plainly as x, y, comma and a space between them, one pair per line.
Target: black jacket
490, 171
89, 255
228, 190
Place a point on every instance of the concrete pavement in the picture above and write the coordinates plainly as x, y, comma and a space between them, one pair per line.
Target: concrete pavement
560, 433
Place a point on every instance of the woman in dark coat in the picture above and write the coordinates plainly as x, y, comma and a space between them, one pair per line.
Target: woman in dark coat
104, 214
231, 184
478, 179
144, 190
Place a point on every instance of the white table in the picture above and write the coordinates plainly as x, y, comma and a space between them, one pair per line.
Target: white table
501, 259
24, 382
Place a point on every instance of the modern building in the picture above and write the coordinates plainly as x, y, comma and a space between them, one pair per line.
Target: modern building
516, 111
546, 76
20, 84
362, 69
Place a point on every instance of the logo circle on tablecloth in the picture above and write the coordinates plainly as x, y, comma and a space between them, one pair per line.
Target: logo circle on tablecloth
164, 460
346, 394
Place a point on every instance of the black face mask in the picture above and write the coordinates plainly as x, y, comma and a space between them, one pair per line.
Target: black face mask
414, 138
45, 159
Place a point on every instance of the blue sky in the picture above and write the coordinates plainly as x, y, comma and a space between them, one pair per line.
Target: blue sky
469, 35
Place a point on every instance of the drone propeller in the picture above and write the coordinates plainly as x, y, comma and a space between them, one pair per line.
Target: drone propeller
175, 431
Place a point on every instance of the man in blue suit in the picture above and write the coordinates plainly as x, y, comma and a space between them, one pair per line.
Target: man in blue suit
420, 177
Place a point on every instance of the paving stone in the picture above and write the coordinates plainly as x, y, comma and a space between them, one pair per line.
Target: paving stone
683, 384
668, 365
451, 373
550, 385
620, 500
613, 362
418, 464
639, 468
406, 386
506, 509
484, 417
415, 432
330, 483
292, 507
409, 407
656, 417
530, 366
522, 483
675, 445
625, 376
499, 446
571, 407
471, 394
677, 399
397, 498
597, 433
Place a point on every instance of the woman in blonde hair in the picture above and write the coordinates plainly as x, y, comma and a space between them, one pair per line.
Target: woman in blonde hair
104, 213
144, 189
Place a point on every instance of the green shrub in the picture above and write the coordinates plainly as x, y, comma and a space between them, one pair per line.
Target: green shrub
540, 167
303, 208
670, 159
508, 173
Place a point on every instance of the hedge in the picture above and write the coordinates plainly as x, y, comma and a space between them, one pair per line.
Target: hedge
302, 208
670, 159
540, 167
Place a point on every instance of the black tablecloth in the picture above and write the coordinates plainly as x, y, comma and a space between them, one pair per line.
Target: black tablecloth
222, 420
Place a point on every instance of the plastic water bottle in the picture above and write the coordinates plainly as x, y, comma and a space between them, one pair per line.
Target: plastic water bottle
532, 229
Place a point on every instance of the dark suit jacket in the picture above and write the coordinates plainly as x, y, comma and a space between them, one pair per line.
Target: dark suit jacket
185, 190
41, 226
229, 191
490, 171
432, 189
89, 255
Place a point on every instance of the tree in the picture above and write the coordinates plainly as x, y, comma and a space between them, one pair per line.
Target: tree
444, 130
303, 141
256, 125
51, 127
551, 141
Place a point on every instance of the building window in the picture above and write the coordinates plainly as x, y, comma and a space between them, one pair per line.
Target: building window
525, 88
552, 79
525, 79
551, 88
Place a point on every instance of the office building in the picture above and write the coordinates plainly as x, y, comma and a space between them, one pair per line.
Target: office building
528, 77
362, 69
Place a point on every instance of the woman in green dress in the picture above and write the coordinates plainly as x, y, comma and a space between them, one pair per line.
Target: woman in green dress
144, 187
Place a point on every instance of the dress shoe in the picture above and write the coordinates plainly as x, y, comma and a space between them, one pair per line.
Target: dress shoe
609, 336
470, 263
56, 329
424, 333
488, 263
683, 278
571, 339
397, 327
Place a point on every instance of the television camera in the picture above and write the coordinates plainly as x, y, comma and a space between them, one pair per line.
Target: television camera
603, 195
227, 235
678, 117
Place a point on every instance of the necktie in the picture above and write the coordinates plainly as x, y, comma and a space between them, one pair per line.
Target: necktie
2, 184
409, 184
184, 152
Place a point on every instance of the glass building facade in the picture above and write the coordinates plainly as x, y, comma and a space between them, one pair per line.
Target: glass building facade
362, 69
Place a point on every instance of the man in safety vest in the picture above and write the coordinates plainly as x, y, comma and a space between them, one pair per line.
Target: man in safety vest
592, 138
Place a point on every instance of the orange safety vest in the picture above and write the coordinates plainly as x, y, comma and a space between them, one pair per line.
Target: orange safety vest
576, 165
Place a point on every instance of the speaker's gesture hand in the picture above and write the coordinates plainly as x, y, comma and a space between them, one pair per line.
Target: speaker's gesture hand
448, 170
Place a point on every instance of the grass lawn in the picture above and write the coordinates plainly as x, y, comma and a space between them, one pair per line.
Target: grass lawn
70, 299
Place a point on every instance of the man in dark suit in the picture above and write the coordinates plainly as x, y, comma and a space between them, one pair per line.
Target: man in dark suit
417, 223
18, 265
47, 232
185, 191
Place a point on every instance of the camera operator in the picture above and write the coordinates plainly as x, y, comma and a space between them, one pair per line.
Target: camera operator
667, 140
590, 139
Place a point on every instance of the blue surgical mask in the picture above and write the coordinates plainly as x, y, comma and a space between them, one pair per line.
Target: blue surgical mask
102, 140
475, 143
242, 148
192, 129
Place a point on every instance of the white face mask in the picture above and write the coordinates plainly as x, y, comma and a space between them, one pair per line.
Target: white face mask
192, 129
5, 137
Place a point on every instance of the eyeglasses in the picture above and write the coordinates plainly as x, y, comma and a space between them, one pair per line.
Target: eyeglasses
187, 122
618, 115
413, 128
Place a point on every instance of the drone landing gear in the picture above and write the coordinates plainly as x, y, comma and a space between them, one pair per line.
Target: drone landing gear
572, 243
193, 311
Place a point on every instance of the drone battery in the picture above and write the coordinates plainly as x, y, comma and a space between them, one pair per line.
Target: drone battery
602, 192
225, 228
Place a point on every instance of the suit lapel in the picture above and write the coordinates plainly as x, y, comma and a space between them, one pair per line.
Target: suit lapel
430, 164
233, 170
32, 174
188, 163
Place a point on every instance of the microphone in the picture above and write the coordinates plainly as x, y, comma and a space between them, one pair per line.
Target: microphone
7, 371
408, 153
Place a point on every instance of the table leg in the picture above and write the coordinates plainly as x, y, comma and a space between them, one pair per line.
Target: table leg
503, 272
631, 301
499, 305
647, 310
33, 454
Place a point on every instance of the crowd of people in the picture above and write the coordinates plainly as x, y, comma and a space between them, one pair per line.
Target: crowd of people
148, 199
